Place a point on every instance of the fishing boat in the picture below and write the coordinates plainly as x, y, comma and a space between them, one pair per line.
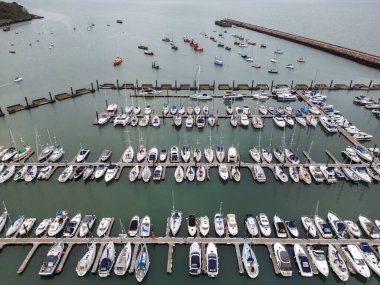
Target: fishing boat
370, 257
87, 224
338, 226
250, 224
85, 263
52, 259
302, 261
72, 226
204, 226
353, 228
309, 226
191, 225
292, 228
145, 227
264, 225
323, 228
283, 260
103, 227
249, 261
356, 258
337, 263
42, 227
369, 227
107, 260
134, 226
212, 260
123, 260
58, 223
195, 259
142, 263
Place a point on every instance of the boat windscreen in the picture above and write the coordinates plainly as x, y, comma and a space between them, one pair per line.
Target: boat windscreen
291, 224
281, 227
365, 248
305, 264
133, 225
195, 261
284, 256
212, 264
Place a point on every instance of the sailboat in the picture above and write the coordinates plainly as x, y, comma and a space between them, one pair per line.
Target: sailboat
209, 152
219, 222
175, 219
274, 69
200, 95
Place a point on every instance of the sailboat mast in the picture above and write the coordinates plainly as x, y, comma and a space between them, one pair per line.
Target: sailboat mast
173, 198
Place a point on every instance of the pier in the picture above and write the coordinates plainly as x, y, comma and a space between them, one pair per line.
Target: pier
348, 53
27, 258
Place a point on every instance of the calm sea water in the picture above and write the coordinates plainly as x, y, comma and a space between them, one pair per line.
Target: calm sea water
80, 57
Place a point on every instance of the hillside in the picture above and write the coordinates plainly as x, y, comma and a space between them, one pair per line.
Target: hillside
13, 13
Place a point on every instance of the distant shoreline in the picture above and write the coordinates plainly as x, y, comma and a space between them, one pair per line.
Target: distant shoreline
9, 22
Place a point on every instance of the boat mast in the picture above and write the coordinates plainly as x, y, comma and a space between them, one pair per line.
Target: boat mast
270, 142
37, 140
49, 136
316, 208
13, 143
210, 137
220, 207
199, 75
173, 198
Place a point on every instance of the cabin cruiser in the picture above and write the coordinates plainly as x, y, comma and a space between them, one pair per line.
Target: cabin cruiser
85, 263
100, 171
103, 118
329, 125
329, 173
281, 174
249, 261
361, 172
292, 228
163, 155
279, 226
191, 225
175, 221
201, 96
204, 226
72, 226
257, 122
83, 153
195, 259
234, 120
189, 122
79, 172
353, 228
223, 171
323, 228
134, 226
356, 258
58, 223
200, 121
26, 226
136, 110
107, 260
89, 169
302, 261
45, 152
259, 173
232, 225
7, 173
103, 227
338, 226
300, 119
174, 154
153, 155
279, 120
219, 224
369, 227
370, 257
318, 258
250, 224
309, 226
316, 173
177, 120
123, 260
264, 225
232, 155
142, 263
283, 260
337, 263
157, 173
235, 174
211, 120
42, 227
52, 259
289, 120
260, 96
144, 121
145, 227
87, 224
212, 260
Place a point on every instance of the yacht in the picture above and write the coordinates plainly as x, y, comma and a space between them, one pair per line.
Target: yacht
111, 172
329, 173
292, 228
261, 96
323, 228
317, 174
259, 173
26, 226
105, 155
173, 109
7, 173
309, 226
179, 174
174, 154
42, 227
146, 174
283, 260
211, 120
223, 171
337, 263
249, 261
134, 173
175, 221
356, 258
185, 153
148, 110
204, 226
11, 152
201, 173
103, 227
87, 224
107, 260
83, 153
219, 224
289, 120
250, 224
191, 225
281, 174
267, 155
363, 153
85, 263
280, 227
72, 226
329, 125
318, 258
279, 120
128, 155
52, 259
201, 96
88, 172
300, 119
338, 226
232, 225
142, 263
141, 154
45, 152
264, 225
58, 223
15, 226
370, 257
212, 260
145, 227
144, 121
123, 260
302, 261
244, 121
220, 153
369, 227
136, 110
197, 154
134, 226
353, 228
195, 259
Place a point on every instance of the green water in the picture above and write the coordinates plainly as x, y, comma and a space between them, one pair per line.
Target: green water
81, 57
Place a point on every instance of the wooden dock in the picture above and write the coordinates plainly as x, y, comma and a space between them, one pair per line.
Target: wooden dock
312, 265
27, 258
239, 259
273, 258
345, 258
97, 259
169, 265
134, 257
64, 258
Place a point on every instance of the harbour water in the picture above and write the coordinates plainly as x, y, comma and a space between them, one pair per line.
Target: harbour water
80, 57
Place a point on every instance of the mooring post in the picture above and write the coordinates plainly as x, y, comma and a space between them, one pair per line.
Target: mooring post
213, 86
97, 116
233, 85
370, 84
72, 92
117, 84
252, 84
106, 103
331, 83
26, 100
175, 86
97, 84
51, 98
271, 86
350, 84
291, 85
311, 84
92, 87
156, 84
137, 84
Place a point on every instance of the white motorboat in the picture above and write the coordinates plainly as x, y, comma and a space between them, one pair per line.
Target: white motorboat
351, 175
257, 122
7, 173
157, 172
136, 110
103, 118
189, 110
209, 154
370, 257
191, 225
212, 260
329, 124
302, 261
283, 260
103, 227
323, 228
263, 110
249, 261
338, 226
317, 174
200, 121
179, 174
201, 96
72, 226
111, 172
57, 225
42, 227
300, 119
232, 225
361, 172
204, 226
173, 109
155, 121
369, 227
251, 226
211, 120
353, 228
100, 171
195, 259
260, 96
281, 174
318, 258
190, 173
146, 174
267, 155
134, 173
175, 221
279, 121
189, 122
259, 173
223, 171
163, 155
134, 226
142, 263
304, 175
123, 260
26, 226
145, 227
309, 226
87, 224
255, 154
107, 260
292, 228
264, 225
85, 263
289, 120
174, 154
337, 263
220, 153
141, 154
243, 119
232, 155
280, 227
329, 173
52, 259
153, 155
83, 153
57, 154
201, 173
356, 258
134, 121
